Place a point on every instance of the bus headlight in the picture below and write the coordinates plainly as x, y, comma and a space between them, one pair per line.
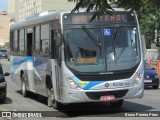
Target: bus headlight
138, 79
72, 83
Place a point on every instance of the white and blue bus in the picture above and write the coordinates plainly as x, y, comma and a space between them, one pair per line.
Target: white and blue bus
69, 59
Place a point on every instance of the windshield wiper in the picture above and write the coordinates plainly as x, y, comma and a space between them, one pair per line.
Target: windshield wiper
91, 36
114, 40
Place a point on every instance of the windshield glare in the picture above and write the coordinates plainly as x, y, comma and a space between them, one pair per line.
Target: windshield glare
101, 49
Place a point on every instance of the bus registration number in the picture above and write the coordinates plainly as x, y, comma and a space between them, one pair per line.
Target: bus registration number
107, 98
121, 84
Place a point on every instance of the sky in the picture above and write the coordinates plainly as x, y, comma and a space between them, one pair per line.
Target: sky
3, 5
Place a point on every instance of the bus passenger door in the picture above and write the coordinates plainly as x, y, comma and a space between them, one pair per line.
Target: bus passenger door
56, 71
30, 69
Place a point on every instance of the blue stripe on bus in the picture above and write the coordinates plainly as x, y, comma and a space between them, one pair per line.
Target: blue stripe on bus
29, 58
86, 85
92, 84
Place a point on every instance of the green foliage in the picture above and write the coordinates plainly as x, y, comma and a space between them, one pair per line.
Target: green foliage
98, 6
149, 22
148, 13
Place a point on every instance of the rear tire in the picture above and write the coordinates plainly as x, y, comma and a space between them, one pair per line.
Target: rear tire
117, 103
23, 86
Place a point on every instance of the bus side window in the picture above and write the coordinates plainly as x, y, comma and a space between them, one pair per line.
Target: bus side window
46, 50
15, 42
45, 46
44, 43
53, 46
37, 40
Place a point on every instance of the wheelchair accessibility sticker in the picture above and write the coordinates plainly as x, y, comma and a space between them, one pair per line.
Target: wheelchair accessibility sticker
107, 32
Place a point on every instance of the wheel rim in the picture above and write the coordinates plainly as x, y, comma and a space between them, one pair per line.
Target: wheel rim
23, 87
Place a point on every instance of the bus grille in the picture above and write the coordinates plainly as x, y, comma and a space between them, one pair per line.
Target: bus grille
97, 95
109, 77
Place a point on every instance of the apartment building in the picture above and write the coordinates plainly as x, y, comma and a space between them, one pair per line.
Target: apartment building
26, 8
11, 6
4, 28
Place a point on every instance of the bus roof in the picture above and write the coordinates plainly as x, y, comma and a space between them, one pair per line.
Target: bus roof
53, 15
45, 17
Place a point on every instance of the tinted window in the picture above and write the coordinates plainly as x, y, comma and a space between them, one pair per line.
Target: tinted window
3, 50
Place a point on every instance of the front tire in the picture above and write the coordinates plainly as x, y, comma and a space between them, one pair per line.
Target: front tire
117, 103
57, 105
51, 101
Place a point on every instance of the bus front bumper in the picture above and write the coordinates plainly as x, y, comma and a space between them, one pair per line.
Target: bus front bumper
80, 96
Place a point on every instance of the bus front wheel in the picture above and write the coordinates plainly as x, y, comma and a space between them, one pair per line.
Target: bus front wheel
50, 97
117, 103
51, 101
57, 105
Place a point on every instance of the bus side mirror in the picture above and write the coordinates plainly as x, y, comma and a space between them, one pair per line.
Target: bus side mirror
59, 42
58, 54
59, 39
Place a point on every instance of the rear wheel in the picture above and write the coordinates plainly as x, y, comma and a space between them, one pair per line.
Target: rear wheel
117, 103
23, 86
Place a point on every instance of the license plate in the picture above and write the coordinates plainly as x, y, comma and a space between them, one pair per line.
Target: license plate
147, 81
121, 84
107, 98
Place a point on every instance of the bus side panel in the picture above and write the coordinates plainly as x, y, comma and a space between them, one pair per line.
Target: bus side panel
18, 64
42, 68
57, 80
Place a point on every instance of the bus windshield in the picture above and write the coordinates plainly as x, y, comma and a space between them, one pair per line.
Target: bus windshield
102, 49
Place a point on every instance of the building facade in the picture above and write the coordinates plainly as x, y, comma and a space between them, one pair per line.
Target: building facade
11, 6
4, 28
26, 8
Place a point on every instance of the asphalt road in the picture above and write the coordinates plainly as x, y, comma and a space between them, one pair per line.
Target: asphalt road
16, 102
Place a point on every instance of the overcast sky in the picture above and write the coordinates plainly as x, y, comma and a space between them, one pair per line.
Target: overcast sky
3, 5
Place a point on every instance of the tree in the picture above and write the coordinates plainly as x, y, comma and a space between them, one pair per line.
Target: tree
103, 6
98, 6
149, 23
148, 13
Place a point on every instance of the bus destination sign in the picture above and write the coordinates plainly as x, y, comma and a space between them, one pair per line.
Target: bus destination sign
84, 18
